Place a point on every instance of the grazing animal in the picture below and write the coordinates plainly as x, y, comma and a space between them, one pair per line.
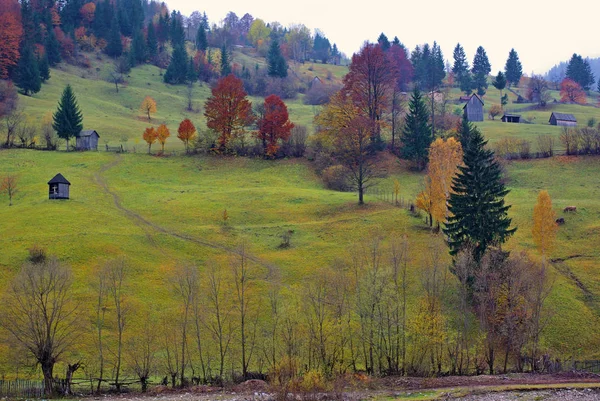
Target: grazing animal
560, 221
570, 209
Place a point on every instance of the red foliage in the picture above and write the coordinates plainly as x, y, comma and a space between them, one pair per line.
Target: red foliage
186, 132
403, 66
369, 82
274, 125
10, 35
228, 110
570, 91
87, 12
67, 46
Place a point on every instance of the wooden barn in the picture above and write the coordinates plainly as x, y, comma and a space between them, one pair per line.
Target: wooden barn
58, 187
473, 110
511, 118
563, 119
87, 140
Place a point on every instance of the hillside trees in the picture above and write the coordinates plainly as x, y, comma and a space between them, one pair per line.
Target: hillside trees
28, 73
148, 106
150, 136
417, 134
571, 91
186, 132
478, 215
11, 32
225, 63
114, 47
10, 186
460, 69
67, 120
579, 70
513, 68
274, 126
201, 41
276, 63
162, 133
369, 83
481, 68
177, 71
228, 110
500, 83
538, 90
40, 314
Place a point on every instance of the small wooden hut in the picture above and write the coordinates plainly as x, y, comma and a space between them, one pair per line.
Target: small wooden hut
58, 187
87, 140
473, 110
563, 119
511, 118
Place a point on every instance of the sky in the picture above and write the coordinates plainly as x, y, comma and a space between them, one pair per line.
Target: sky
542, 33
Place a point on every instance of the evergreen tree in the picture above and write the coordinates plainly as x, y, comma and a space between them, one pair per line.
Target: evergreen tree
68, 120
176, 31
44, 68
225, 64
277, 65
417, 134
52, 48
513, 68
114, 47
478, 215
460, 69
466, 83
383, 42
481, 69
125, 25
436, 68
192, 75
176, 72
335, 54
396, 42
579, 70
500, 83
151, 41
138, 48
201, 41
28, 72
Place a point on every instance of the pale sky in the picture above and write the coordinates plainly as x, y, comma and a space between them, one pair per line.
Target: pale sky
542, 32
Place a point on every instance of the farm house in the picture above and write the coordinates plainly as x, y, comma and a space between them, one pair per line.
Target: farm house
563, 120
473, 110
87, 140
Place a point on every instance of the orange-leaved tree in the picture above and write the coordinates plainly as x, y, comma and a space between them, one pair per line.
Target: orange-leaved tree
186, 132
444, 158
228, 110
162, 133
275, 125
570, 91
150, 136
11, 31
9, 186
544, 224
148, 106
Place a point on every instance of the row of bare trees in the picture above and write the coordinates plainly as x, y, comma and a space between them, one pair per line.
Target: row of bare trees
383, 310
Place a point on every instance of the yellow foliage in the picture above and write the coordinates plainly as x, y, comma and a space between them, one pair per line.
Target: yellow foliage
544, 223
148, 106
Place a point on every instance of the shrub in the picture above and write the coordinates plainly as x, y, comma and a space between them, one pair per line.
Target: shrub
512, 148
295, 146
336, 178
37, 254
568, 137
545, 145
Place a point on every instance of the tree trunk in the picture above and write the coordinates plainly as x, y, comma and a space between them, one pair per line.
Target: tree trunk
47, 368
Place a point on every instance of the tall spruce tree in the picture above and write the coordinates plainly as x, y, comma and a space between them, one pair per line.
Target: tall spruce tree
176, 72
52, 48
417, 134
579, 70
151, 41
68, 120
44, 67
277, 66
460, 68
500, 83
513, 68
383, 42
478, 215
225, 63
481, 69
138, 48
28, 72
201, 41
114, 47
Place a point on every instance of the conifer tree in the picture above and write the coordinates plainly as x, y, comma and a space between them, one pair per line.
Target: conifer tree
52, 48
114, 47
417, 134
579, 70
176, 72
68, 120
28, 72
151, 41
225, 64
500, 83
138, 48
44, 68
383, 42
513, 68
460, 68
276, 62
478, 216
481, 69
192, 75
201, 41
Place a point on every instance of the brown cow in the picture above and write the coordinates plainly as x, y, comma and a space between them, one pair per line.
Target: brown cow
570, 209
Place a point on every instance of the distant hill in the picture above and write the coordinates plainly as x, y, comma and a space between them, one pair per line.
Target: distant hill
557, 73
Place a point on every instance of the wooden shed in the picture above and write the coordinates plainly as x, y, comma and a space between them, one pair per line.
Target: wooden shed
58, 187
87, 140
473, 110
511, 118
563, 119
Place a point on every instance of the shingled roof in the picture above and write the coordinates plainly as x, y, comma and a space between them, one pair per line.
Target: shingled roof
564, 117
87, 133
59, 179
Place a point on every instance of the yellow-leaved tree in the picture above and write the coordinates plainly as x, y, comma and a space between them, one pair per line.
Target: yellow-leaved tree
544, 224
148, 106
444, 158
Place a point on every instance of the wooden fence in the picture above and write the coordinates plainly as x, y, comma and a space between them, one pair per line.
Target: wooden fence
21, 388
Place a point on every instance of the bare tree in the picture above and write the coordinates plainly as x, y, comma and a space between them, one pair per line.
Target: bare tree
399, 260
142, 350
39, 313
26, 133
100, 287
10, 186
12, 122
116, 271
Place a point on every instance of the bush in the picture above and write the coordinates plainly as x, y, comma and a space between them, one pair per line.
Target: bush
37, 254
336, 178
545, 145
295, 146
512, 148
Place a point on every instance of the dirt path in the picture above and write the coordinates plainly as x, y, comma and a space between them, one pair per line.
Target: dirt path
149, 228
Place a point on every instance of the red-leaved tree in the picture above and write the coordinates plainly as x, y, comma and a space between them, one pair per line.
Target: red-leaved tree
186, 132
228, 110
274, 126
10, 35
570, 91
370, 81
